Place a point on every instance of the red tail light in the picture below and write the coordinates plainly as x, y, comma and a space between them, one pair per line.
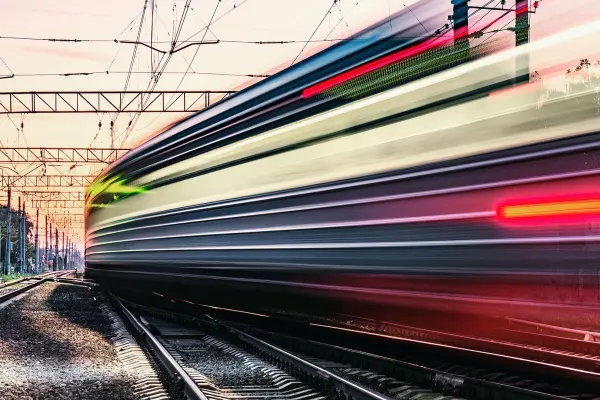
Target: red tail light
564, 208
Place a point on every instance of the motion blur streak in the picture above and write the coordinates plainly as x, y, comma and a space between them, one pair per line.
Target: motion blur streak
562, 208
484, 125
396, 188
569, 369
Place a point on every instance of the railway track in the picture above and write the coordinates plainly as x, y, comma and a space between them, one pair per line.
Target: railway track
385, 365
58, 340
203, 365
543, 347
14, 288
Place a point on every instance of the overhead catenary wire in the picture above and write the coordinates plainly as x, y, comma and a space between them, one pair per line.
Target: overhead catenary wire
7, 67
314, 32
156, 77
87, 73
215, 21
187, 70
182, 42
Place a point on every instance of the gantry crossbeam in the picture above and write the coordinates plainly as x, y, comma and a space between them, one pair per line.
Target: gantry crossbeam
66, 218
59, 155
107, 101
46, 195
56, 204
50, 181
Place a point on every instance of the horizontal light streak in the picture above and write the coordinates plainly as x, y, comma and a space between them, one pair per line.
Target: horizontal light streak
437, 192
298, 168
226, 309
388, 221
134, 210
362, 245
550, 209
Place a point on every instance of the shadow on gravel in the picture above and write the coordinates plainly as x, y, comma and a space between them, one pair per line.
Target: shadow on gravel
76, 304
46, 324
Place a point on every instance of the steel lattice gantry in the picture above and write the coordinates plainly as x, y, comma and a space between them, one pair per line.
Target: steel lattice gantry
58, 155
48, 195
107, 101
50, 181
56, 204
66, 218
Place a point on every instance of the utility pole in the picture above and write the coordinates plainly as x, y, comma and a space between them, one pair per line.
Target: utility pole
37, 242
20, 231
50, 248
460, 21
521, 38
62, 264
24, 268
55, 263
45, 263
8, 232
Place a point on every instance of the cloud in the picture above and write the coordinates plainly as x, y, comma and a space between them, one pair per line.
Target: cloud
73, 54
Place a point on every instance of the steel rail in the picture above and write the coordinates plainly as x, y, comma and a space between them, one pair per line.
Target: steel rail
558, 351
413, 371
45, 278
471, 384
356, 391
190, 389
588, 335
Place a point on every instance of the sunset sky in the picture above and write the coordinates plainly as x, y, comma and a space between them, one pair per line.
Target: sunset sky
248, 20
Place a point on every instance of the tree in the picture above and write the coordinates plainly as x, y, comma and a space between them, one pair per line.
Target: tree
29, 250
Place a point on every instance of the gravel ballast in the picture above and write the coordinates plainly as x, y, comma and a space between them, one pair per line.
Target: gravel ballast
55, 343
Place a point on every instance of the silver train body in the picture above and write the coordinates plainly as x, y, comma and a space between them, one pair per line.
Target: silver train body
388, 199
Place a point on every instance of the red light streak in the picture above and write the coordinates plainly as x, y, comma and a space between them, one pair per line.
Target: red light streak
522, 9
562, 208
374, 65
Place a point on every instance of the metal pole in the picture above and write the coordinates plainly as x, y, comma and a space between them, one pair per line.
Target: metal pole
24, 267
460, 21
521, 38
50, 248
8, 233
45, 263
20, 244
55, 263
37, 242
64, 254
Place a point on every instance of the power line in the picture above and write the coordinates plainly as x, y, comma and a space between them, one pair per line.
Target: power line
315, 31
189, 64
7, 67
193, 42
156, 77
215, 21
86, 73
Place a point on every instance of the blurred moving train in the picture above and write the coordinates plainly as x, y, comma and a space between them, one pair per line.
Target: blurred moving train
390, 168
